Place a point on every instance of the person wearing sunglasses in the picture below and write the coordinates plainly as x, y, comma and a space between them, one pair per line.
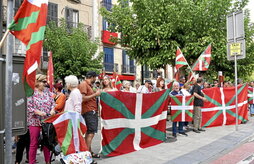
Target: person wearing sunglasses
39, 106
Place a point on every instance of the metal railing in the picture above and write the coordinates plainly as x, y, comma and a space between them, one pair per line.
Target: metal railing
110, 67
131, 69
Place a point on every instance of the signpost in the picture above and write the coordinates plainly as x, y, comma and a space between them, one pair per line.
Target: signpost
235, 45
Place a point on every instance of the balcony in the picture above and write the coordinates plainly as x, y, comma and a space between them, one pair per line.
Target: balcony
110, 67
107, 36
128, 69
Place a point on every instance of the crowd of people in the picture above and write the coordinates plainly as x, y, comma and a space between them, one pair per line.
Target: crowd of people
82, 97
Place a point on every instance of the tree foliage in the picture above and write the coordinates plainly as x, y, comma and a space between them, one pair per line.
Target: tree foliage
72, 50
151, 31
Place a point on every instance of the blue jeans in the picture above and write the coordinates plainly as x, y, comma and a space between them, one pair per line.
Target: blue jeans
251, 108
179, 129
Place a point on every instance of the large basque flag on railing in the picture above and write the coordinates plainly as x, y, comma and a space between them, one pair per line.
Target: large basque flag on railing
251, 95
28, 26
181, 108
221, 108
132, 121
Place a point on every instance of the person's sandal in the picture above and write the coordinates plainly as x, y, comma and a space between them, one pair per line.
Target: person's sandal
95, 155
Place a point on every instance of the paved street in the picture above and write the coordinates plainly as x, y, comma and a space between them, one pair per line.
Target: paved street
211, 146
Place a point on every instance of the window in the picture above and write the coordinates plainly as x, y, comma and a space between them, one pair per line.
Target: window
17, 5
107, 4
72, 17
20, 48
108, 59
105, 24
128, 64
52, 12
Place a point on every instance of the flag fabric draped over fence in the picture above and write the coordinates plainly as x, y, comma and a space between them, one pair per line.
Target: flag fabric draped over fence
29, 26
251, 95
132, 121
181, 108
220, 108
203, 61
70, 128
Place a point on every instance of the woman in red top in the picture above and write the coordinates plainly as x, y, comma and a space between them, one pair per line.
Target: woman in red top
59, 98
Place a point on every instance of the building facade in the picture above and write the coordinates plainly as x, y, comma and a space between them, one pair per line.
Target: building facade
115, 57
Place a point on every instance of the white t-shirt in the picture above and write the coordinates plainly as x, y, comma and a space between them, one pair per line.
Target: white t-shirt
185, 92
143, 89
74, 101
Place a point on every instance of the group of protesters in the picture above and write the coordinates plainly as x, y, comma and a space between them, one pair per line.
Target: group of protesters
82, 97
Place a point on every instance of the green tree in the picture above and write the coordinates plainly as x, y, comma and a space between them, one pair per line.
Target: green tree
72, 50
151, 31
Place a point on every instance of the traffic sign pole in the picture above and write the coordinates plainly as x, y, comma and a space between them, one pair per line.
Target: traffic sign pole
236, 96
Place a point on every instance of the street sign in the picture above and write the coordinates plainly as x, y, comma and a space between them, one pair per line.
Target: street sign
237, 49
235, 26
235, 36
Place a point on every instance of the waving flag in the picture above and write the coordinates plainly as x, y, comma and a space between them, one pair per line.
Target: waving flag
132, 121
203, 61
180, 59
181, 108
116, 82
70, 128
50, 73
29, 26
220, 108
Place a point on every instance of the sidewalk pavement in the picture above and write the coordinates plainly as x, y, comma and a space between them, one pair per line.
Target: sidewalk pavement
196, 148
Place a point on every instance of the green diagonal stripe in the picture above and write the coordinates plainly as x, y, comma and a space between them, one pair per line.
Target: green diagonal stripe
118, 82
22, 23
156, 105
176, 114
190, 100
189, 113
36, 37
251, 98
116, 104
233, 98
107, 149
67, 139
213, 118
154, 133
212, 100
233, 114
176, 100
181, 63
250, 92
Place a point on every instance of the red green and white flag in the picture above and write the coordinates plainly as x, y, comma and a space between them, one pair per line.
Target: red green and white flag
116, 82
29, 26
181, 108
203, 61
70, 128
221, 108
251, 95
50, 72
180, 59
132, 121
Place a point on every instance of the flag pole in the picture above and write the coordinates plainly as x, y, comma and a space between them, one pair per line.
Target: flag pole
4, 37
8, 88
